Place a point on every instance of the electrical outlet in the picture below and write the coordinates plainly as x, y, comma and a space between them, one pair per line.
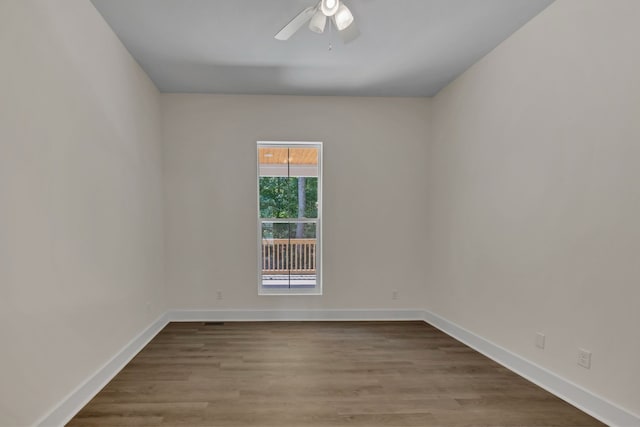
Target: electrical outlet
584, 358
540, 338
394, 294
219, 295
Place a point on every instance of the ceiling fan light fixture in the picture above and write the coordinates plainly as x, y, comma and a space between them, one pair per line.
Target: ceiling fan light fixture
329, 7
316, 17
343, 17
318, 22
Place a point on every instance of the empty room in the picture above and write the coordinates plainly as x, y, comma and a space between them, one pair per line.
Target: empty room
319, 213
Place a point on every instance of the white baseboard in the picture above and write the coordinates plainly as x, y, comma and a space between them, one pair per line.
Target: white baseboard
291, 315
78, 398
582, 399
588, 402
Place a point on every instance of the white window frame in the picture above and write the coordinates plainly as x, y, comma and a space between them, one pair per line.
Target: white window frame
317, 290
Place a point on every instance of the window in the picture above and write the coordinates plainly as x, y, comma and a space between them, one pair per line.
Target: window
289, 218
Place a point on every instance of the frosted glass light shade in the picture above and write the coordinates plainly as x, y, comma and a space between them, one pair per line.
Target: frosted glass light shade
343, 17
318, 22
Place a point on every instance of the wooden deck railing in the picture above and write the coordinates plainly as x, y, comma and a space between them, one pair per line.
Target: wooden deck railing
283, 256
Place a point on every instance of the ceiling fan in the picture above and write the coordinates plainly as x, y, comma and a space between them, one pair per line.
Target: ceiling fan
334, 11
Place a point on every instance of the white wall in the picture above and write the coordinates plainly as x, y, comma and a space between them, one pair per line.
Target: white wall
534, 196
374, 199
81, 235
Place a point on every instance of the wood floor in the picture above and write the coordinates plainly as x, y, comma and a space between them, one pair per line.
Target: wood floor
276, 374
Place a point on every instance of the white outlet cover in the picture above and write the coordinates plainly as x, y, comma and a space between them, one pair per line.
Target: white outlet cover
584, 358
540, 339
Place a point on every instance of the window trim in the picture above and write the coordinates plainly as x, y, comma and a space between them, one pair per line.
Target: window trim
318, 289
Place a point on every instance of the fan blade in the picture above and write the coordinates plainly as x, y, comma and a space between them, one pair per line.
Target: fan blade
350, 33
296, 23
318, 22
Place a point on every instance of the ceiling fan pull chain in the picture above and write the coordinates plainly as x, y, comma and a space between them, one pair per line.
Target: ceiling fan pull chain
330, 34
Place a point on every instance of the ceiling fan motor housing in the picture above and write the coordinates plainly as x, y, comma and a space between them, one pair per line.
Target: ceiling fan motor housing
329, 7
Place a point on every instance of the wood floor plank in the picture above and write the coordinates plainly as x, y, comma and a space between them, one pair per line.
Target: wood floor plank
310, 374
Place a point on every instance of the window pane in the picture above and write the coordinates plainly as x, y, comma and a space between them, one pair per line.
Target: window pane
303, 161
288, 261
273, 161
310, 201
303, 257
278, 197
282, 197
275, 254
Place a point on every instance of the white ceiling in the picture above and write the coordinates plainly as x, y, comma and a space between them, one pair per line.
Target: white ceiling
406, 47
